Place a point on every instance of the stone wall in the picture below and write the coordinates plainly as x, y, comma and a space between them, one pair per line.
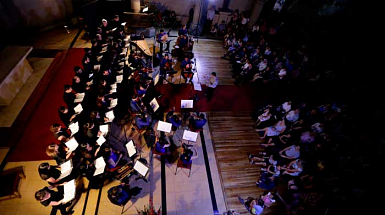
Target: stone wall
182, 6
34, 13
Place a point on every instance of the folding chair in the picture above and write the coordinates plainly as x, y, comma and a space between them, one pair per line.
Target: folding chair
188, 166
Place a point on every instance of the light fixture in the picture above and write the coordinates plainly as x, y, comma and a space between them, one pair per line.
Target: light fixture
145, 9
66, 27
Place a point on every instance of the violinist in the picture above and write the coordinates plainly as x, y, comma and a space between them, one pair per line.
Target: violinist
136, 105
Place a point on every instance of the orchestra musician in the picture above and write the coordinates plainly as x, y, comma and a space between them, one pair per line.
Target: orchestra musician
187, 74
163, 38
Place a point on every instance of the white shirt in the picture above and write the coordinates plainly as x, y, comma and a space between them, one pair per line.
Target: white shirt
244, 21
213, 82
210, 14
262, 65
282, 73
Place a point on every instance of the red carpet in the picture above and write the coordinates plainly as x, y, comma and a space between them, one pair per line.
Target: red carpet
225, 98
37, 135
33, 142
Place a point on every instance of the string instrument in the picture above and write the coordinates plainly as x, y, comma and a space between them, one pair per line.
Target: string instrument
147, 70
187, 73
136, 76
124, 171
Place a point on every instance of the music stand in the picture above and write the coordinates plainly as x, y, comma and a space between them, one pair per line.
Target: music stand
154, 105
164, 126
186, 103
190, 136
131, 149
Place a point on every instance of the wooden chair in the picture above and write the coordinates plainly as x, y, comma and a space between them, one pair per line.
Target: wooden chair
188, 166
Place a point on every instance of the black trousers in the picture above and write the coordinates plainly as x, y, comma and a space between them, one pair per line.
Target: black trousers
210, 92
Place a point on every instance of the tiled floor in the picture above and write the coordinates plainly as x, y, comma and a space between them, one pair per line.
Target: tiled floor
185, 195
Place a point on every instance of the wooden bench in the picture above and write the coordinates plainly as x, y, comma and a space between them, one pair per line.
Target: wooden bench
10, 183
14, 71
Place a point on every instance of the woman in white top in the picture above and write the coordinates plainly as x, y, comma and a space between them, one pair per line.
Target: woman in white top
275, 130
294, 168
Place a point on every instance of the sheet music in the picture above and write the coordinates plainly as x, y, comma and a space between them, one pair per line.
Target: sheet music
113, 103
119, 78
123, 23
97, 67
90, 75
113, 90
154, 104
110, 115
100, 164
186, 104
74, 127
164, 126
190, 136
141, 168
101, 140
156, 79
69, 191
78, 109
72, 144
65, 169
114, 29
197, 86
104, 129
79, 97
113, 86
131, 148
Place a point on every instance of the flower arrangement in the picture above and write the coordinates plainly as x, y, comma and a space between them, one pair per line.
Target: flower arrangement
149, 210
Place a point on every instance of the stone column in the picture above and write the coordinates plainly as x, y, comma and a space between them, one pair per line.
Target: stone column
200, 13
197, 8
257, 8
135, 6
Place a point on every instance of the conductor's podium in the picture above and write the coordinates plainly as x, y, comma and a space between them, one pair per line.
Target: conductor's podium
14, 71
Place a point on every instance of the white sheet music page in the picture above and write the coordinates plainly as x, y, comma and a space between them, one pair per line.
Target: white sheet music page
164, 126
78, 109
119, 78
101, 140
141, 168
79, 97
74, 127
130, 148
190, 136
110, 115
113, 86
100, 164
154, 104
113, 103
104, 129
156, 79
72, 144
197, 86
187, 103
65, 169
69, 191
